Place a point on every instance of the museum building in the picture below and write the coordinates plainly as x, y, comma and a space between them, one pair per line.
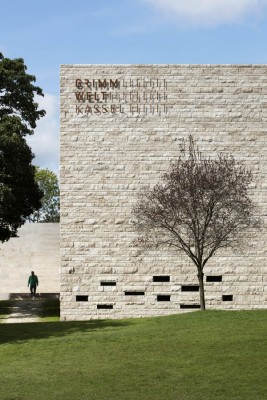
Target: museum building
121, 125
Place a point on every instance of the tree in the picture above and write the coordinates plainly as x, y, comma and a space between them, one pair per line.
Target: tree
203, 205
19, 193
48, 184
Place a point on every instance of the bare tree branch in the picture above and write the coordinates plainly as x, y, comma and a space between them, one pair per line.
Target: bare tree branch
201, 206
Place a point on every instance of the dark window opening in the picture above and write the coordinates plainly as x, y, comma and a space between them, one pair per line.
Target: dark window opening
105, 306
127, 293
161, 278
189, 306
190, 288
215, 278
163, 297
108, 283
81, 298
227, 297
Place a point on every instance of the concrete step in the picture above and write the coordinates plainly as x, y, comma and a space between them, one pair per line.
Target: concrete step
27, 296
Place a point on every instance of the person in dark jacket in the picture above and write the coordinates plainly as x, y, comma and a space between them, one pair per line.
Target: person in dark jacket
33, 283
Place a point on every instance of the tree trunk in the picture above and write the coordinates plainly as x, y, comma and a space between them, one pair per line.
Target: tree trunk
200, 276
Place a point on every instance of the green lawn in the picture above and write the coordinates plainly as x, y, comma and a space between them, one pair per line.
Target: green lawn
197, 356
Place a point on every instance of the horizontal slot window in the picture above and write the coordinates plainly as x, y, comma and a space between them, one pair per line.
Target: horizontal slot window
189, 306
161, 278
214, 278
163, 297
134, 293
190, 288
105, 306
227, 297
108, 283
81, 298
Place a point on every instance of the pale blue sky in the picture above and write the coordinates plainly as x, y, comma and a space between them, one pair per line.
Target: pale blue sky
49, 33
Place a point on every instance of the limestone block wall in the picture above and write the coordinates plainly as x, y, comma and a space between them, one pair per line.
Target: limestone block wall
36, 249
120, 127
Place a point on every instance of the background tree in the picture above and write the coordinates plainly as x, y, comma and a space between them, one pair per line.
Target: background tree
19, 193
48, 184
203, 205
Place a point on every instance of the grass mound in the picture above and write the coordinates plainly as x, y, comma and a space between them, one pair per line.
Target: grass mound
195, 356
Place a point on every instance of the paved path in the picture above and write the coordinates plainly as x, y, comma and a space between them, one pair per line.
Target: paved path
24, 311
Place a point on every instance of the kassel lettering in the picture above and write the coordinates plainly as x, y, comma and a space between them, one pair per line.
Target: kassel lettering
99, 109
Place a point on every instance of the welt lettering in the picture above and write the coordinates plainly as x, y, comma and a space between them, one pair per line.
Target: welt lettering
92, 97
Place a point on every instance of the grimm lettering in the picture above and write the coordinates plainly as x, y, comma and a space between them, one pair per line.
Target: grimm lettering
97, 84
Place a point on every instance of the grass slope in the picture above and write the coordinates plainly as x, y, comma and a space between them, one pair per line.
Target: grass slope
200, 355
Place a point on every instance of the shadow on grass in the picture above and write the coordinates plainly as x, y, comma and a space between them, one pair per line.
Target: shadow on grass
47, 309
50, 308
5, 307
27, 308
14, 333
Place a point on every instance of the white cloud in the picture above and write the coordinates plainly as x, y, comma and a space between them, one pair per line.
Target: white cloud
210, 12
45, 141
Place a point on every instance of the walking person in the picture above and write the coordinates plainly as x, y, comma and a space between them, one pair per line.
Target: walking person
33, 283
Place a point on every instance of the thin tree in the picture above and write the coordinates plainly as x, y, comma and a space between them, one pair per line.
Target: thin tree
202, 205
48, 184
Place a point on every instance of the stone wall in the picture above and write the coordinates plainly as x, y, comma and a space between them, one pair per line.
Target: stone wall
120, 127
36, 249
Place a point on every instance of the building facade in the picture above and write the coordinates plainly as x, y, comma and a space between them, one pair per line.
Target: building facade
121, 125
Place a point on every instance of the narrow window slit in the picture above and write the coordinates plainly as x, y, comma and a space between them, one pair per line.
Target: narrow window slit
108, 283
227, 297
214, 278
134, 293
104, 306
163, 297
190, 288
161, 278
81, 298
189, 306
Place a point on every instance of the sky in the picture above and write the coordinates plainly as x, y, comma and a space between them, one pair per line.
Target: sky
49, 33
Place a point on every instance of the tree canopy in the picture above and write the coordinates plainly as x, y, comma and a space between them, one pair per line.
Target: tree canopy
50, 208
19, 193
203, 205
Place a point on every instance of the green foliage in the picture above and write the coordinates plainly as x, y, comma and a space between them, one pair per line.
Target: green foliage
196, 356
19, 193
17, 94
48, 184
